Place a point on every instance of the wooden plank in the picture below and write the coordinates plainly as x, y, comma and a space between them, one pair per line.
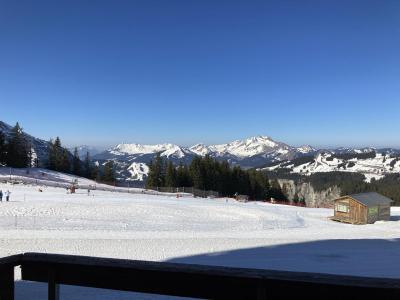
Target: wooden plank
7, 283
7, 265
199, 281
53, 290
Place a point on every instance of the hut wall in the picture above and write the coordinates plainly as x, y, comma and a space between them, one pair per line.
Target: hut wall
358, 212
342, 215
384, 212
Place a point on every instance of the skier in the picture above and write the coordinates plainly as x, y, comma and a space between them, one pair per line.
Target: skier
7, 194
88, 192
1, 195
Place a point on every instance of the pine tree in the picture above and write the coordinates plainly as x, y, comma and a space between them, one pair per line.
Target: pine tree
17, 149
88, 172
76, 163
94, 172
58, 155
108, 172
196, 173
156, 177
3, 149
276, 192
171, 176
65, 164
183, 176
51, 161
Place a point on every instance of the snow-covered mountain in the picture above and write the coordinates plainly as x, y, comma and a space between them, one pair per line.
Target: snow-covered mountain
132, 160
372, 163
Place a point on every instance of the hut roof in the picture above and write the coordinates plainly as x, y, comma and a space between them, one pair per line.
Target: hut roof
371, 199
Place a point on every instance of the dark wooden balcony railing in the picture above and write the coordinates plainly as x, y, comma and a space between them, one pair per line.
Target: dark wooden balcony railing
194, 281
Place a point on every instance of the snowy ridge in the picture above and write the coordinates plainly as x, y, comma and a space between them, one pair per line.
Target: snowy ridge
249, 147
123, 149
376, 165
132, 160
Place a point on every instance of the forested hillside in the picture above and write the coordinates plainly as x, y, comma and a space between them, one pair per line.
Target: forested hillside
349, 183
206, 173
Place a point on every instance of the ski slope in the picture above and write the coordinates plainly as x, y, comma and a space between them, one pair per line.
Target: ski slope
191, 230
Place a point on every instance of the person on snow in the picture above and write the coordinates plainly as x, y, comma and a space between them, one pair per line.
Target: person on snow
7, 194
1, 195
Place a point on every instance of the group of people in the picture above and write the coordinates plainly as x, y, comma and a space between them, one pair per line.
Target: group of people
6, 194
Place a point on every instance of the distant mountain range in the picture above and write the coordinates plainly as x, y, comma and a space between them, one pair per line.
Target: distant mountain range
261, 152
132, 160
372, 163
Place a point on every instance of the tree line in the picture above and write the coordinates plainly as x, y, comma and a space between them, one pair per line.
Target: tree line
207, 173
347, 182
17, 152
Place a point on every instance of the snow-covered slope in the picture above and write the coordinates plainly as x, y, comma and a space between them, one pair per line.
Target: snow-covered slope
41, 175
138, 171
371, 163
190, 230
248, 153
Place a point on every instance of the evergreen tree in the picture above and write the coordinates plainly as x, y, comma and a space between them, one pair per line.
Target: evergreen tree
88, 172
51, 163
94, 172
224, 184
58, 155
156, 177
3, 149
65, 164
108, 172
171, 176
196, 173
276, 192
17, 149
76, 163
183, 176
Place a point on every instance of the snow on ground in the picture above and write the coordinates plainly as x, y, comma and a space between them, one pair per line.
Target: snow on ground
41, 175
191, 230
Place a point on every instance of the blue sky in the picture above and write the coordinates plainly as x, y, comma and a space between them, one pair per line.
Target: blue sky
326, 73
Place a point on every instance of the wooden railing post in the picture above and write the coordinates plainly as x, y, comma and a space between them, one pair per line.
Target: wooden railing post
261, 292
7, 283
53, 287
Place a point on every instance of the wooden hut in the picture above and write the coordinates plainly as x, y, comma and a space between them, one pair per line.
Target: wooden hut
364, 208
